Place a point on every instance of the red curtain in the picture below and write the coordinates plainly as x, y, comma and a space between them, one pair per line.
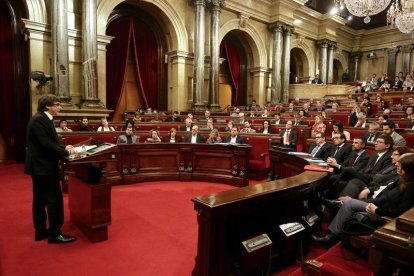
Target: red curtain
135, 35
233, 61
6, 78
116, 59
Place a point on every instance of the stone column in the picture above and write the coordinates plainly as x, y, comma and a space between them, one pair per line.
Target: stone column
331, 48
60, 59
276, 90
406, 51
199, 40
356, 57
287, 33
323, 47
216, 6
90, 55
392, 62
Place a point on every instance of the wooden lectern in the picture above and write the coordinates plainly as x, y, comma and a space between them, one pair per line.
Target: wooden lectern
90, 190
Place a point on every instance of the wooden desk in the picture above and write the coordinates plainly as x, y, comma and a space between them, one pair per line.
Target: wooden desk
227, 218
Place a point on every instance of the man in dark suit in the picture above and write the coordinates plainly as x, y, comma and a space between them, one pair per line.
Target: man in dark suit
373, 133
42, 163
234, 137
317, 80
84, 125
277, 120
376, 163
194, 137
174, 118
397, 83
289, 136
320, 149
341, 150
187, 126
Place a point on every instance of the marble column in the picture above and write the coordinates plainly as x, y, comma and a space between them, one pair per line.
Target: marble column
213, 101
276, 90
406, 51
323, 60
199, 41
287, 33
356, 57
392, 61
331, 48
90, 55
60, 59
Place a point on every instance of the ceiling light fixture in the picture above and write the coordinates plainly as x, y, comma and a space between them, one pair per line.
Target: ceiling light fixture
364, 8
401, 15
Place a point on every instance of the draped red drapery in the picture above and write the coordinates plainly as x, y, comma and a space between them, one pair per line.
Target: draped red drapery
135, 37
233, 60
7, 126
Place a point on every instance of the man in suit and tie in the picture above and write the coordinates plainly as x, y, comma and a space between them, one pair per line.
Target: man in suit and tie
289, 136
277, 120
240, 119
373, 133
389, 129
341, 150
376, 163
320, 149
187, 127
194, 137
42, 163
234, 137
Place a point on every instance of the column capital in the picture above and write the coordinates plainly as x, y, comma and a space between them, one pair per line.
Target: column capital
276, 27
198, 2
355, 55
288, 30
325, 43
407, 48
393, 51
216, 5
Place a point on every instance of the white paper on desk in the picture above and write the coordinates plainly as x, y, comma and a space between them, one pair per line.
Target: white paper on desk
314, 160
298, 153
88, 147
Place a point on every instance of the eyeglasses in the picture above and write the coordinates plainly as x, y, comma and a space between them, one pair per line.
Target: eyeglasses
381, 142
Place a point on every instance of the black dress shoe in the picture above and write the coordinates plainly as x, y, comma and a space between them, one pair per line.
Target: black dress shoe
329, 238
41, 235
331, 203
61, 238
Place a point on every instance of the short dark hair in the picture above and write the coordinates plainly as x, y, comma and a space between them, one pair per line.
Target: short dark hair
363, 139
390, 124
339, 124
387, 140
45, 101
407, 164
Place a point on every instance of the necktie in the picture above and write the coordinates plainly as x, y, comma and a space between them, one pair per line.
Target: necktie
315, 150
371, 138
353, 160
336, 151
287, 137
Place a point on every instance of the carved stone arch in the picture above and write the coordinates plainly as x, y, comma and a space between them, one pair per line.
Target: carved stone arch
177, 38
301, 44
253, 38
36, 10
338, 55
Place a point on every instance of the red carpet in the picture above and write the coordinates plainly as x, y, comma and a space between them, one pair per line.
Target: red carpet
153, 231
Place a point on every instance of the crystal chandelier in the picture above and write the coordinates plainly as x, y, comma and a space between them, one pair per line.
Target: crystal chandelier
364, 8
401, 15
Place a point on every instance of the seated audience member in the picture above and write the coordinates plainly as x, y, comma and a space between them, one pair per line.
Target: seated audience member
84, 125
236, 112
338, 128
401, 76
385, 85
234, 137
187, 126
373, 133
411, 124
137, 117
172, 137
376, 163
148, 111
230, 125
356, 111
340, 150
382, 79
384, 176
265, 113
266, 128
382, 119
194, 137
368, 87
319, 106
366, 103
380, 103
214, 137
410, 102
397, 83
105, 125
305, 108
297, 121
254, 106
240, 119
128, 123
156, 118
63, 126
408, 112
209, 125
358, 160
394, 200
318, 126
174, 118
317, 80
362, 120
247, 128
289, 135
303, 114
408, 83
191, 117
128, 137
290, 108
320, 149
252, 114
154, 138
277, 120
207, 116
389, 129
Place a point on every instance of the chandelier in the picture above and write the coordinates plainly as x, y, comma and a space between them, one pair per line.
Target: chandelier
401, 15
364, 8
